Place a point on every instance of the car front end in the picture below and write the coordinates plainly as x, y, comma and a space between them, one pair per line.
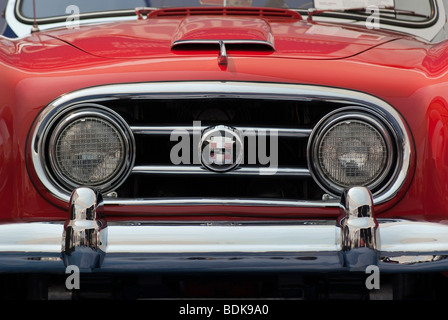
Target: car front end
220, 142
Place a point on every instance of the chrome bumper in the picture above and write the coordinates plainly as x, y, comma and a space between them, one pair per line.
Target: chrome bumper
351, 243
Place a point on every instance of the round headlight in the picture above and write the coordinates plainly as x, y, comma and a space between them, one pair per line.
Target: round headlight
89, 147
350, 149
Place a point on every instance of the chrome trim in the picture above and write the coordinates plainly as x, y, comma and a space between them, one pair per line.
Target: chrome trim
245, 131
240, 237
84, 239
219, 89
414, 259
398, 237
86, 15
94, 111
198, 170
402, 23
222, 57
220, 202
360, 239
426, 30
387, 131
21, 27
131, 12
177, 237
86, 236
358, 223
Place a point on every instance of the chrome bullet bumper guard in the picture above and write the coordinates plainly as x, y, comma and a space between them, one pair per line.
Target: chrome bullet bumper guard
351, 243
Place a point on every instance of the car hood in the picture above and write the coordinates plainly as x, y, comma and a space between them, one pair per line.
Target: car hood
199, 35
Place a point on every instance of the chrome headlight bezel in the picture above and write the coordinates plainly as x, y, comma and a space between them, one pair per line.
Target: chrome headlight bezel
377, 122
61, 121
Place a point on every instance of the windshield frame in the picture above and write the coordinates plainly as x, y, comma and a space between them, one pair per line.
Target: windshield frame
83, 16
342, 15
362, 16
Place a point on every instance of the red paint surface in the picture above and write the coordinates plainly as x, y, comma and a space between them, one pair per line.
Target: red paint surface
408, 74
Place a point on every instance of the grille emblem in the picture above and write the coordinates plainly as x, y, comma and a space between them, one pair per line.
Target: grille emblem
221, 148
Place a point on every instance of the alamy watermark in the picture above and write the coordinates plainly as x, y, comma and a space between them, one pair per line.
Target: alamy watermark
221, 147
373, 21
72, 21
373, 280
73, 280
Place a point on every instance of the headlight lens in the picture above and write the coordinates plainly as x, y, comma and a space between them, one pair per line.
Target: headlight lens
89, 148
350, 150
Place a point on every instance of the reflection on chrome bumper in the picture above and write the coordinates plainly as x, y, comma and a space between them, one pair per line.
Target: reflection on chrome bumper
350, 243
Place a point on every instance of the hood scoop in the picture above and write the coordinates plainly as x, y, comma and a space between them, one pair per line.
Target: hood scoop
222, 45
195, 33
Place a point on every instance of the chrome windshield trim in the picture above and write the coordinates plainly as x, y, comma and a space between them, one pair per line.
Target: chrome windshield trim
218, 89
131, 12
434, 15
22, 25
63, 18
22, 28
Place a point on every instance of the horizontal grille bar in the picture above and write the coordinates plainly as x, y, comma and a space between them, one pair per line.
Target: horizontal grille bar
332, 203
247, 131
248, 171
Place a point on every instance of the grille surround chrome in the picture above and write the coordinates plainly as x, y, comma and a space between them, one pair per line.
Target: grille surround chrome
218, 89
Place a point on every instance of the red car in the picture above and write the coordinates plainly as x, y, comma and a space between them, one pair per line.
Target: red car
228, 147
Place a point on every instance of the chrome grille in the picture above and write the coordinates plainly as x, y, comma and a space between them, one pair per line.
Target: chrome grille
155, 176
154, 110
